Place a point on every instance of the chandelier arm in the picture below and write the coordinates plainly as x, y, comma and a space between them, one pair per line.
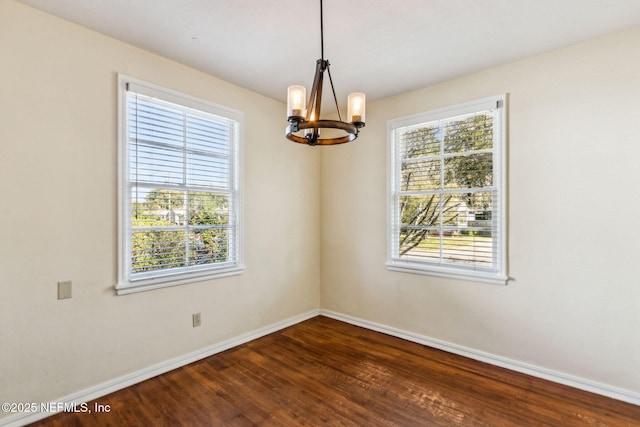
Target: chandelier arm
318, 90
335, 99
317, 83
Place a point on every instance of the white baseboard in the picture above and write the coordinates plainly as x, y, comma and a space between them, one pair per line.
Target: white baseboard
514, 365
116, 384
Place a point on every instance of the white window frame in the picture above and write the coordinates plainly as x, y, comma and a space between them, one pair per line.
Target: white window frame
497, 274
128, 282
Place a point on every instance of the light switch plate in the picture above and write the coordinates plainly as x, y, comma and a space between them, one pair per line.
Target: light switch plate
64, 289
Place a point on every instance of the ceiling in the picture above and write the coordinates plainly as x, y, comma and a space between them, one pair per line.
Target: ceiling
379, 47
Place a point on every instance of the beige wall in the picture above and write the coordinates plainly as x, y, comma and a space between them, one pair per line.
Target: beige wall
58, 216
573, 305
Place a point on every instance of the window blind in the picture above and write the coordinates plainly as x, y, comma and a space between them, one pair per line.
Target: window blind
446, 191
181, 188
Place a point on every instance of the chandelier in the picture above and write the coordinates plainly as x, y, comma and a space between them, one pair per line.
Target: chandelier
304, 118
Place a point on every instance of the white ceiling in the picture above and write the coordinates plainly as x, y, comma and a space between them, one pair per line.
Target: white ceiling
380, 47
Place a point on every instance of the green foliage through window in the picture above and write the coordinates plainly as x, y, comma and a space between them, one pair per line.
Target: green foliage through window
172, 229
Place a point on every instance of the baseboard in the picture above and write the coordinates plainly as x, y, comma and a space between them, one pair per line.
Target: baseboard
116, 384
514, 365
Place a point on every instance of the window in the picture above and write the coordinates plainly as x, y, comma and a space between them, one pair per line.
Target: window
447, 192
179, 211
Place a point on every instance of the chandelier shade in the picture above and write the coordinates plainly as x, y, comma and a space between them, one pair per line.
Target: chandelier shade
296, 107
306, 125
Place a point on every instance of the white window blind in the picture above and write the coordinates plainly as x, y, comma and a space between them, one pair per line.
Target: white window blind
180, 203
446, 202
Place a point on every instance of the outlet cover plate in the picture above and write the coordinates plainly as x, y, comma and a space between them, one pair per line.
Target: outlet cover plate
197, 319
64, 289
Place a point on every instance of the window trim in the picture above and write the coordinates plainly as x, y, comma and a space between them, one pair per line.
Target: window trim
499, 277
126, 284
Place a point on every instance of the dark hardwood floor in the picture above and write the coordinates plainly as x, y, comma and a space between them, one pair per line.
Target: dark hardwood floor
323, 372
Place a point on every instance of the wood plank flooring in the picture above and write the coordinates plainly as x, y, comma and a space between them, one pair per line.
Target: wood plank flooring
323, 372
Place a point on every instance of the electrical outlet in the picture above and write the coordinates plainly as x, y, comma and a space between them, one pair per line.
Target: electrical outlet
64, 289
197, 320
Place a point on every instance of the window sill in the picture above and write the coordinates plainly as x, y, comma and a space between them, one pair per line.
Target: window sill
125, 288
450, 273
